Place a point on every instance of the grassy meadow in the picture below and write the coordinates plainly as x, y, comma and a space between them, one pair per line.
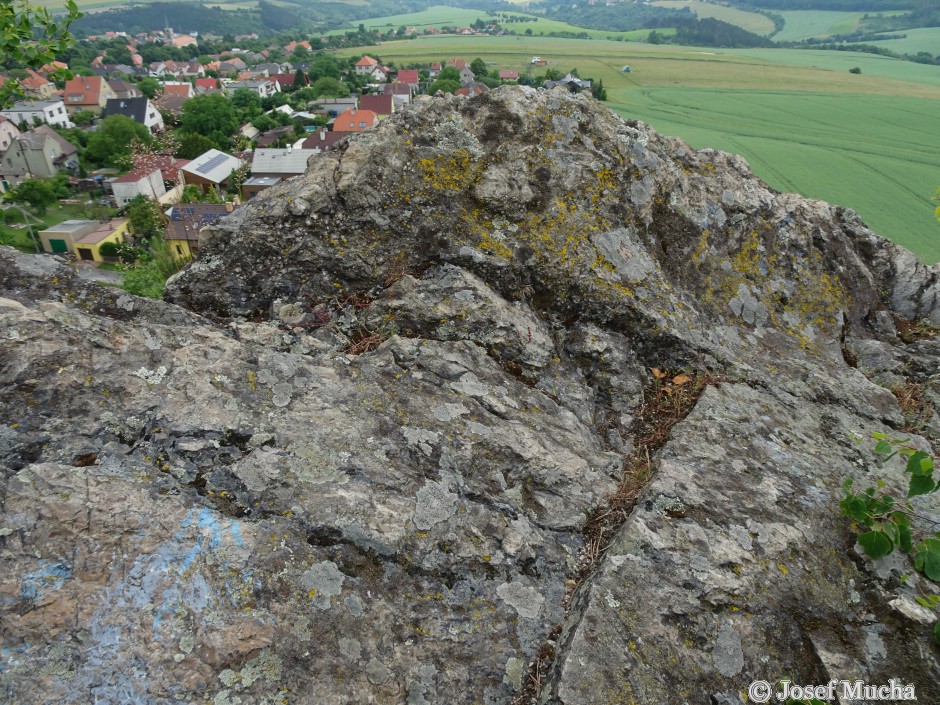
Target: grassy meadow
751, 21
917, 40
802, 121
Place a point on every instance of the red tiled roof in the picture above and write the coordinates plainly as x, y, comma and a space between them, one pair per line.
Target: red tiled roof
407, 76
352, 121
367, 61
83, 90
207, 83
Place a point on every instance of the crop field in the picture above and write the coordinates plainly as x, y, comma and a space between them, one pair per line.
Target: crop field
440, 16
803, 24
751, 21
866, 142
917, 40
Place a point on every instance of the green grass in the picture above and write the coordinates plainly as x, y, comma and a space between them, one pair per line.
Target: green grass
19, 237
803, 122
871, 153
751, 21
804, 24
917, 40
440, 16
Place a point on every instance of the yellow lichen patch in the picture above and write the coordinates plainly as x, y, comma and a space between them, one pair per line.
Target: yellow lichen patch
448, 172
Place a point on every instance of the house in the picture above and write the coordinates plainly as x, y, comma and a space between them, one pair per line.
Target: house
158, 69
207, 85
283, 163
256, 184
379, 104
379, 74
355, 121
508, 75
288, 80
210, 170
39, 153
90, 93
37, 86
183, 88
123, 89
409, 77
270, 69
83, 238
572, 83
322, 140
275, 135
289, 49
366, 65
458, 63
248, 130
264, 87
184, 41
136, 183
232, 66
88, 248
466, 76
434, 70
8, 132
401, 93
185, 220
171, 104
51, 112
137, 109
334, 106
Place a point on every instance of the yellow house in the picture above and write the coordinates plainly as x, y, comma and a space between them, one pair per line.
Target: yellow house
186, 220
89, 247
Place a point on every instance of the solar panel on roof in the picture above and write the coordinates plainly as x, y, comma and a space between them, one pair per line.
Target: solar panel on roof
212, 163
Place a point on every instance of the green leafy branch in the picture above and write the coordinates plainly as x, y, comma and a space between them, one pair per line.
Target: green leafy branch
889, 521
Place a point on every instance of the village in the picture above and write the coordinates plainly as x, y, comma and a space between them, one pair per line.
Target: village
144, 151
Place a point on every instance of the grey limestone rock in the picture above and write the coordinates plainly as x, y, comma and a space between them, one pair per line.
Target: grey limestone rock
352, 457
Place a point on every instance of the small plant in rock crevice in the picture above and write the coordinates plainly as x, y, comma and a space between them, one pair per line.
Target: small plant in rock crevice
890, 523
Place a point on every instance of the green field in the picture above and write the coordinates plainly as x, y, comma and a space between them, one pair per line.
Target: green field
867, 142
440, 16
804, 24
751, 21
917, 40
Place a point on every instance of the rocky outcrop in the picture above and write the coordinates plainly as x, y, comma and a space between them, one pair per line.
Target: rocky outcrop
353, 457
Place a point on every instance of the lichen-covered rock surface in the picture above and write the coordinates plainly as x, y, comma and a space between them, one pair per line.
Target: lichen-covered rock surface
357, 455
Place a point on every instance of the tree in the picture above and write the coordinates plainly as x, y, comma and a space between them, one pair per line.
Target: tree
444, 85
192, 145
322, 67
30, 37
247, 102
478, 66
112, 140
327, 87
449, 73
150, 87
39, 194
146, 216
83, 117
211, 115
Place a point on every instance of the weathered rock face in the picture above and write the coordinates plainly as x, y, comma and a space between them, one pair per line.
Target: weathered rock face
354, 463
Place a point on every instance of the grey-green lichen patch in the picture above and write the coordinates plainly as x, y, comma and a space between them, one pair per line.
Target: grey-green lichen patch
187, 643
515, 670
377, 672
323, 581
350, 648
318, 464
434, 503
523, 599
727, 653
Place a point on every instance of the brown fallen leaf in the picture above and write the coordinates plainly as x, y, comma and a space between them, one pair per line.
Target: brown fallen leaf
657, 373
679, 380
